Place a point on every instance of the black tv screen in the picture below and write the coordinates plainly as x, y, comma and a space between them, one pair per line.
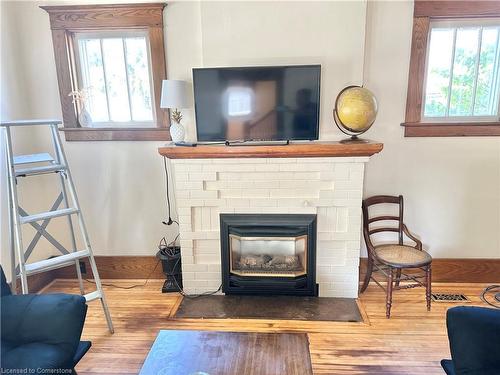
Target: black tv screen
257, 103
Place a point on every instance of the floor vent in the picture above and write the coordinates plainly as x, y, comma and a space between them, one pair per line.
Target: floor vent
449, 297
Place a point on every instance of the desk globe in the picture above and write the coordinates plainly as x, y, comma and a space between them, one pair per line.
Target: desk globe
355, 111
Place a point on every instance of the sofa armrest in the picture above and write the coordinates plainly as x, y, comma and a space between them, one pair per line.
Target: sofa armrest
474, 334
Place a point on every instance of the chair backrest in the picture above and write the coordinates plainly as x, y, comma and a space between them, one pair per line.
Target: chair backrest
367, 220
474, 334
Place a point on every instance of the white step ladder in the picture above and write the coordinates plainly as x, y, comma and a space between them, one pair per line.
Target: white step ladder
38, 164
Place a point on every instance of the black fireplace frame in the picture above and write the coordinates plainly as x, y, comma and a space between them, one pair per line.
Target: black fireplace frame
269, 225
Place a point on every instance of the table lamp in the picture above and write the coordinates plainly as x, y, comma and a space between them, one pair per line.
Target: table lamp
175, 95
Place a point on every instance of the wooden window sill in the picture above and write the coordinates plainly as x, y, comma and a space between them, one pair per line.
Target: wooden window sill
116, 134
451, 129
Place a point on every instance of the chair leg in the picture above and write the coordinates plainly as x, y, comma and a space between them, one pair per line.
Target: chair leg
428, 286
388, 300
398, 277
369, 269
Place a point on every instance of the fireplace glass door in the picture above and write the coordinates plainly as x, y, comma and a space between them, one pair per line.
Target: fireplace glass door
268, 256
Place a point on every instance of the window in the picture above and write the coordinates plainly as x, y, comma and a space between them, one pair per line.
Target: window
114, 54
114, 69
462, 78
454, 80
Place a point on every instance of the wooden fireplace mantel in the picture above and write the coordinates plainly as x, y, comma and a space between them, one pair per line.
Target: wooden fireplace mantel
293, 150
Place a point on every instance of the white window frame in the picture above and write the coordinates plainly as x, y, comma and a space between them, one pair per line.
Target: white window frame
459, 23
117, 34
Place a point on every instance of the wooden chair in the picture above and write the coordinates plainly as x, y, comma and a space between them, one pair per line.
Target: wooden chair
391, 259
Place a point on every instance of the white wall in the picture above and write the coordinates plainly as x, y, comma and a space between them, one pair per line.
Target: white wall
451, 185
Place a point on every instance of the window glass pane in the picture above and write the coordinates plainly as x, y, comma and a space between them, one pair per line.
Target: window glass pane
116, 79
464, 71
486, 102
138, 78
438, 72
93, 79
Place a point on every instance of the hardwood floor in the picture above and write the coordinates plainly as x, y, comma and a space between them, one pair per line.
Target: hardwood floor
413, 341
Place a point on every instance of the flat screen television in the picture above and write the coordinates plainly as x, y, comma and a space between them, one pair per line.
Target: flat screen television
257, 103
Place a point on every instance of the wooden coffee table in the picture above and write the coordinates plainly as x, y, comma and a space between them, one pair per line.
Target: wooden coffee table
228, 353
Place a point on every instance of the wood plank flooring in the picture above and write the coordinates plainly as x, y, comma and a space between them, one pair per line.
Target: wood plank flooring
413, 341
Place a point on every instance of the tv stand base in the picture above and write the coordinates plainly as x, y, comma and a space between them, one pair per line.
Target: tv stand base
257, 143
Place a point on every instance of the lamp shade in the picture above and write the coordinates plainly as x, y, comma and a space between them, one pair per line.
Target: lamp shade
175, 94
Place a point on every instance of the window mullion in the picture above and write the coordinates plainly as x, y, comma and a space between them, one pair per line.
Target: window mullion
496, 77
476, 69
85, 72
452, 63
124, 49
105, 80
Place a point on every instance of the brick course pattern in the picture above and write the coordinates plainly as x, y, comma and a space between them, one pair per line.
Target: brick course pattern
332, 188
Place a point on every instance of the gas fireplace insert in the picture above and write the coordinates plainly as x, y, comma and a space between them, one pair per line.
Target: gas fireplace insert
268, 254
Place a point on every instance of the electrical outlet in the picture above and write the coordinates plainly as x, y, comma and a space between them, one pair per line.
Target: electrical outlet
83, 267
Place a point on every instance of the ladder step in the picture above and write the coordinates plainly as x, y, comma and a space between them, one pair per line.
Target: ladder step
33, 158
56, 262
48, 215
92, 296
40, 170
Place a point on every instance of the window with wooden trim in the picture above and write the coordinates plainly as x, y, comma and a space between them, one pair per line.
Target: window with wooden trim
454, 79
114, 56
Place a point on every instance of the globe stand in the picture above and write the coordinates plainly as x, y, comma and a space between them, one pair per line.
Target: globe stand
354, 140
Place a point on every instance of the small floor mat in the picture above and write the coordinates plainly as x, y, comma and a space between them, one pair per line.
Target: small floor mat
270, 307
449, 297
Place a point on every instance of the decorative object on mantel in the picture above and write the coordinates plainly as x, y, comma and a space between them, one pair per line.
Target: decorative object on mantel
175, 95
80, 97
355, 111
391, 259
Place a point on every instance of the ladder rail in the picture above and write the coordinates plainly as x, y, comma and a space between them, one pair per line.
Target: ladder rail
83, 228
55, 143
10, 210
16, 220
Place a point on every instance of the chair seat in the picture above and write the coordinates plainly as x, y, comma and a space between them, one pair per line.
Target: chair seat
402, 256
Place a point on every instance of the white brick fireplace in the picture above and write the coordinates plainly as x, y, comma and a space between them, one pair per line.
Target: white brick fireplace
330, 187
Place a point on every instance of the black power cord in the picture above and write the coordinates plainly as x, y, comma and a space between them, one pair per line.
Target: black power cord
131, 286
163, 244
191, 296
491, 289
169, 221
169, 249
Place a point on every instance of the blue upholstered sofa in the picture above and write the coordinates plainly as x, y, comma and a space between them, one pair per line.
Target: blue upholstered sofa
474, 334
41, 332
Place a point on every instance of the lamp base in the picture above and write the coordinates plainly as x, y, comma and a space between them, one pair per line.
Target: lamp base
177, 132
